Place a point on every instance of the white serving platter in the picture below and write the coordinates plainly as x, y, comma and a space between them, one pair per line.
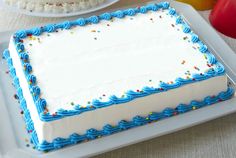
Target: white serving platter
45, 14
13, 134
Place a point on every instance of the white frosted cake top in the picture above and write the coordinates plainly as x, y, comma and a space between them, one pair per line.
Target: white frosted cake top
94, 62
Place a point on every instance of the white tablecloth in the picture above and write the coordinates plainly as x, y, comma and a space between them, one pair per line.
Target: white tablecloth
213, 139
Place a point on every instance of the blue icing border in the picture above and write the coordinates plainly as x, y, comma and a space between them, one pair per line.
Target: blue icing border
108, 129
130, 94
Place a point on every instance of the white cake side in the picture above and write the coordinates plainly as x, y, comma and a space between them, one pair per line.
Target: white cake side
48, 57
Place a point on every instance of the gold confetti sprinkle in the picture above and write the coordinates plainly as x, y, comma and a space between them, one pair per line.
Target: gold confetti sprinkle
32, 38
82, 106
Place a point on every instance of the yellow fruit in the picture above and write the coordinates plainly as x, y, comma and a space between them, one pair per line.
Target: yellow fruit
200, 4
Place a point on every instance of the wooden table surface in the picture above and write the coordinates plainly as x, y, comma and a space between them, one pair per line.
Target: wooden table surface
216, 138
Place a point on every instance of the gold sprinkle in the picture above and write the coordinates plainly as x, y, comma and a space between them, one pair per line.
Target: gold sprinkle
32, 38
83, 106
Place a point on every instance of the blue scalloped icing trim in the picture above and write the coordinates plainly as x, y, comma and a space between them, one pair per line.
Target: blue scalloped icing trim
130, 94
107, 129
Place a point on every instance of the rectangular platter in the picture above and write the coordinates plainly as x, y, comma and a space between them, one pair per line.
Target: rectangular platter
14, 141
